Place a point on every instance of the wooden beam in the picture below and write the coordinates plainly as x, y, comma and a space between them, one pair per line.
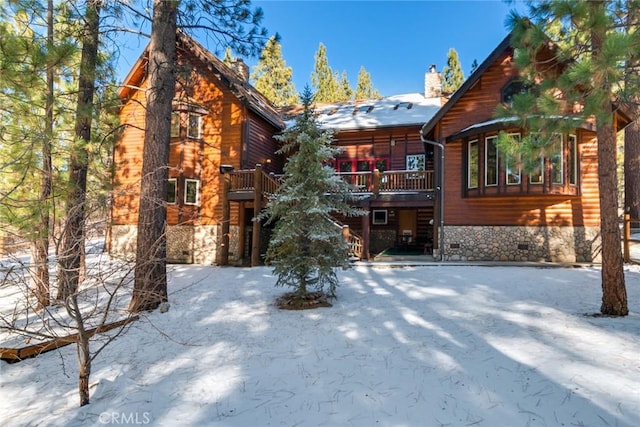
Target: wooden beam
257, 205
223, 258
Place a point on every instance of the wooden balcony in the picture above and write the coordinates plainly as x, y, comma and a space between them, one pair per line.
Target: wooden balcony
243, 182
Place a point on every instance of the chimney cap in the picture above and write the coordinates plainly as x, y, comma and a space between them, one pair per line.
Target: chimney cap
432, 68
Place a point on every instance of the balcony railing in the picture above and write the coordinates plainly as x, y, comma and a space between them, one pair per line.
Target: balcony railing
363, 182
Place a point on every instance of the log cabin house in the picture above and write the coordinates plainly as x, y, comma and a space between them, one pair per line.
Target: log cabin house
219, 121
396, 151
492, 210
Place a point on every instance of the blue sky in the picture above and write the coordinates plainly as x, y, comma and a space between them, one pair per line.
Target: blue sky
395, 41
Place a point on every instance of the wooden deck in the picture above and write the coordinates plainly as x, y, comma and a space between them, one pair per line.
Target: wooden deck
243, 182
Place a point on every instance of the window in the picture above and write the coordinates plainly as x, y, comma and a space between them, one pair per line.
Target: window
195, 126
557, 165
381, 165
362, 165
514, 87
379, 217
415, 162
191, 190
573, 160
171, 191
491, 161
473, 166
512, 165
536, 176
175, 124
345, 166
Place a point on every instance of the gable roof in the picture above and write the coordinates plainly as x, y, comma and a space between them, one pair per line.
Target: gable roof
468, 84
238, 85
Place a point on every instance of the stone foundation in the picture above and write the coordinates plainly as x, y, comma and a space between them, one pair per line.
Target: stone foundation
502, 243
185, 243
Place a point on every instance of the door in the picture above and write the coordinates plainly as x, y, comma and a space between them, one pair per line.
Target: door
407, 226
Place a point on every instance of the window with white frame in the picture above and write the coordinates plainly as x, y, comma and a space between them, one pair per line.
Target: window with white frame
573, 160
556, 158
191, 191
491, 161
175, 124
194, 128
415, 162
379, 217
172, 187
473, 168
512, 164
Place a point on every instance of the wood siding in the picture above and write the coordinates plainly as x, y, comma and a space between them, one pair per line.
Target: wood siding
231, 135
392, 144
528, 209
578, 207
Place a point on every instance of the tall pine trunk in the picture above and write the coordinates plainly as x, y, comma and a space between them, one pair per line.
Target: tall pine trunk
40, 244
614, 294
71, 254
632, 132
632, 165
150, 278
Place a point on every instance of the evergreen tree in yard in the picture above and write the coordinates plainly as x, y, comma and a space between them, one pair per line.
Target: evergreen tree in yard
324, 79
238, 26
452, 75
594, 54
364, 88
307, 245
272, 77
346, 93
632, 132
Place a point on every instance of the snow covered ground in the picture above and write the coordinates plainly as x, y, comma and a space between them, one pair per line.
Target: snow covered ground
411, 346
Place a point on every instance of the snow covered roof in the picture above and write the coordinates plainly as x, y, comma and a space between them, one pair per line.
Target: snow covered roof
397, 110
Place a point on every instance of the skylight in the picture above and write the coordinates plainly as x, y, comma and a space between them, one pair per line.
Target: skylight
363, 109
406, 104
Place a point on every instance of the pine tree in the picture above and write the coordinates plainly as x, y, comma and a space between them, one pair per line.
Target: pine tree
72, 248
594, 54
632, 132
35, 58
225, 20
229, 59
364, 88
452, 75
324, 79
346, 93
307, 245
474, 66
272, 77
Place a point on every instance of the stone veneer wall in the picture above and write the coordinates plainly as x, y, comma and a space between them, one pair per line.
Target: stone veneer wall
185, 243
526, 243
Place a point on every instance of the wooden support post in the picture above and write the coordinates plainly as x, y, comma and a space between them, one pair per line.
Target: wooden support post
345, 233
223, 258
627, 237
257, 206
366, 231
376, 182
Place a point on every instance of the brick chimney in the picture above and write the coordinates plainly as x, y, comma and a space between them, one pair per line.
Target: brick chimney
432, 83
240, 68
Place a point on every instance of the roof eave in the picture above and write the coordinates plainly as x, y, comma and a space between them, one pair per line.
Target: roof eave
468, 84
